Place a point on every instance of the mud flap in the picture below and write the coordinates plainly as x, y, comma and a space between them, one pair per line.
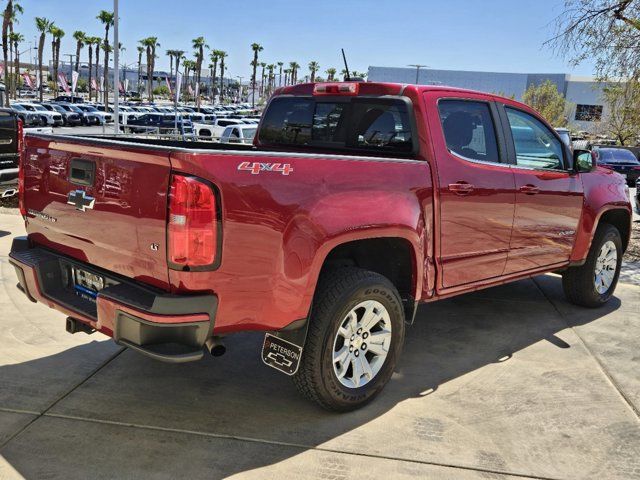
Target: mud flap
281, 354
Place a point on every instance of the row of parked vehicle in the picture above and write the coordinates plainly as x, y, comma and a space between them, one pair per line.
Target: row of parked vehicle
60, 113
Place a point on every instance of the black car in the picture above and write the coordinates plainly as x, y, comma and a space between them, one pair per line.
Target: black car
88, 118
149, 121
70, 119
69, 99
619, 160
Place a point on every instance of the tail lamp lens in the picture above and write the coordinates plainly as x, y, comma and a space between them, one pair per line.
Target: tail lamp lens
21, 167
335, 88
193, 224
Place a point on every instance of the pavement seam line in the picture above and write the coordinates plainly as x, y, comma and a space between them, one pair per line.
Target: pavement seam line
604, 371
290, 444
15, 410
65, 395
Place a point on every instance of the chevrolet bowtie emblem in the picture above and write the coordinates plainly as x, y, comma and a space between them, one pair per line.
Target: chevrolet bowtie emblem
80, 200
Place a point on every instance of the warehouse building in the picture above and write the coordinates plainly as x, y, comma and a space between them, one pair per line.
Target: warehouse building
586, 105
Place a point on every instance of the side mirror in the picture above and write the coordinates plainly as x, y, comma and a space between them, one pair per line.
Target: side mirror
584, 161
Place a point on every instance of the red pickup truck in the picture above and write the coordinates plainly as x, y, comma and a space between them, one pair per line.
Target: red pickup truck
356, 202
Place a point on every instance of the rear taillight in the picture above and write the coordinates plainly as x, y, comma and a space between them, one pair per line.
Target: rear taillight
193, 223
21, 167
335, 89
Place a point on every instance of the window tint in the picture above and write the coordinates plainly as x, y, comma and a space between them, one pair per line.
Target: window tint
468, 129
536, 146
364, 124
615, 155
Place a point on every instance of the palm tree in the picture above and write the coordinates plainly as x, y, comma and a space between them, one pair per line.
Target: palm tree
313, 68
215, 58
141, 50
42, 24
294, 72
286, 76
56, 34
331, 72
8, 13
199, 44
271, 83
256, 47
16, 9
179, 54
81, 39
97, 41
222, 55
107, 19
280, 64
91, 42
14, 41
150, 43
263, 65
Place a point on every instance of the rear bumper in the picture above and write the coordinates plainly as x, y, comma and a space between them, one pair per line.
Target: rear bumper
170, 328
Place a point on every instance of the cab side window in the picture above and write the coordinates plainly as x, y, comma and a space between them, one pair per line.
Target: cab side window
468, 129
536, 146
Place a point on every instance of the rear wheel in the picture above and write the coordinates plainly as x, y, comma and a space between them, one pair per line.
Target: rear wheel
593, 284
355, 338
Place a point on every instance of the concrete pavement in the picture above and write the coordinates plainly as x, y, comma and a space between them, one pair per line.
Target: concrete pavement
510, 382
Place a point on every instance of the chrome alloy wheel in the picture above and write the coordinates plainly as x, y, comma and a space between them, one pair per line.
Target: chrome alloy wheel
606, 264
362, 344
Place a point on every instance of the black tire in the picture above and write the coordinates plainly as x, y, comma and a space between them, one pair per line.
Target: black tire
578, 282
337, 293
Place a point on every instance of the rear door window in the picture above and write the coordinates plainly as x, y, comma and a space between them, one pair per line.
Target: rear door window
352, 124
468, 129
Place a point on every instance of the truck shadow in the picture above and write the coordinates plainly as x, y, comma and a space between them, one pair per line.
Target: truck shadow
246, 416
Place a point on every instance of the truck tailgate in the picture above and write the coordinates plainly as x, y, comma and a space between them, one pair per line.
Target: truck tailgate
100, 203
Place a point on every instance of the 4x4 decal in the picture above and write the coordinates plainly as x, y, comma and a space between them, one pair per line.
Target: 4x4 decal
256, 167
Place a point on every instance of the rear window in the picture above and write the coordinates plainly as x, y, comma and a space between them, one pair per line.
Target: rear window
358, 123
616, 155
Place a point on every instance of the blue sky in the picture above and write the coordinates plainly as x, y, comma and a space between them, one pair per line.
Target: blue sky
494, 35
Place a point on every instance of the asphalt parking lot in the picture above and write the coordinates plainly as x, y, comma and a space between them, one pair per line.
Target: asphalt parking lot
510, 382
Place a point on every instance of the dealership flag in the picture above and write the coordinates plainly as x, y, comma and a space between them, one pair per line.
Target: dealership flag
63, 81
178, 83
74, 81
121, 87
126, 84
190, 90
166, 79
94, 85
1, 70
27, 80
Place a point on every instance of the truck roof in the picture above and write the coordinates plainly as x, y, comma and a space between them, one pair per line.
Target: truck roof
377, 88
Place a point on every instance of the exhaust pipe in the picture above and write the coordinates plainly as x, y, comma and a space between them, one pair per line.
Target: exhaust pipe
9, 193
215, 346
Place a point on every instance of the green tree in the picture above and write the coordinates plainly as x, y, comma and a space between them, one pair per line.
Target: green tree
199, 44
15, 39
606, 32
280, 64
548, 101
6, 20
257, 48
13, 47
623, 102
222, 55
81, 39
91, 41
313, 69
57, 33
42, 24
215, 58
150, 44
331, 73
107, 19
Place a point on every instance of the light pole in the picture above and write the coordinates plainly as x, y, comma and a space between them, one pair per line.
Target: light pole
239, 87
116, 70
418, 67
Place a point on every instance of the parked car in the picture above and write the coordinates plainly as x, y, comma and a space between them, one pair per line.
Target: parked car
29, 119
619, 160
88, 118
53, 119
70, 119
357, 202
149, 122
239, 134
69, 99
103, 117
215, 129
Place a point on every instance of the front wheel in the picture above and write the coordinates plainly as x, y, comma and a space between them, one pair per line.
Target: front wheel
593, 283
355, 337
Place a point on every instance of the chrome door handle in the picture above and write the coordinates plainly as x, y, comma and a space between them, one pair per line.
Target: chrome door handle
461, 188
529, 189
